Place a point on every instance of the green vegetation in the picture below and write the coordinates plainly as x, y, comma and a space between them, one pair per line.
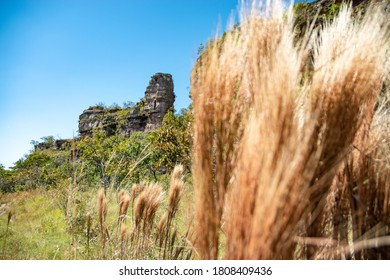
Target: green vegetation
171, 143
63, 223
105, 161
37, 229
53, 195
5, 179
318, 12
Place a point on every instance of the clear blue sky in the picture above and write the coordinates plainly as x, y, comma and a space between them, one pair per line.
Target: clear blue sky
58, 57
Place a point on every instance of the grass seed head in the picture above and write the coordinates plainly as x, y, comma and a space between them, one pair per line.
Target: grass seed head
9, 217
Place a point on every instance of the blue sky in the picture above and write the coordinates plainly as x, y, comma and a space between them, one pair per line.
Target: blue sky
58, 57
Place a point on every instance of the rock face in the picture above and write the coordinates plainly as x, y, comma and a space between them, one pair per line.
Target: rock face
145, 115
98, 117
59, 145
159, 97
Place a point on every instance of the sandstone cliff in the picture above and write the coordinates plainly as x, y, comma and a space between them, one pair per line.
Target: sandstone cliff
145, 115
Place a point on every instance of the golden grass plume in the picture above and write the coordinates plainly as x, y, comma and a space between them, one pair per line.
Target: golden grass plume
267, 142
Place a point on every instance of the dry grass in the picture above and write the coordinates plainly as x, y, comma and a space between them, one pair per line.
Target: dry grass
360, 195
40, 227
9, 217
89, 224
270, 146
102, 208
174, 196
136, 235
145, 210
124, 202
135, 191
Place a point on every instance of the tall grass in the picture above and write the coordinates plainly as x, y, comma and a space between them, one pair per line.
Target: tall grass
102, 208
137, 233
272, 144
9, 216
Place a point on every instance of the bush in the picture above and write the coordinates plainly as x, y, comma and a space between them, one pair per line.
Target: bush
171, 143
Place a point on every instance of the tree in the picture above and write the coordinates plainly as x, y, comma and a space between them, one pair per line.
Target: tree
48, 139
128, 104
171, 143
114, 160
6, 184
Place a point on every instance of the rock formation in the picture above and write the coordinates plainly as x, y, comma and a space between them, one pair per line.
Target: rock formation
159, 97
145, 115
59, 145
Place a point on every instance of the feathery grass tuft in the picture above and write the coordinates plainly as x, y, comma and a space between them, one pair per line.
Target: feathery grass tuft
269, 143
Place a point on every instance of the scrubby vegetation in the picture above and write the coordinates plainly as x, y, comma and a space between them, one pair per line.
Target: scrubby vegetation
106, 161
53, 194
284, 154
74, 222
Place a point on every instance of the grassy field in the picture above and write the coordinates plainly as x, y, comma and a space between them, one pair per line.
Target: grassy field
64, 224
38, 228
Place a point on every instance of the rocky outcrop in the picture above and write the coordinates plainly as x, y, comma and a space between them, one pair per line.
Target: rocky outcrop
59, 145
98, 117
159, 97
145, 115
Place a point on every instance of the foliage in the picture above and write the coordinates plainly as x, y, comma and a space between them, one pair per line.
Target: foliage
171, 143
333, 10
48, 139
108, 161
63, 223
317, 13
141, 105
99, 105
114, 106
128, 104
41, 169
5, 179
